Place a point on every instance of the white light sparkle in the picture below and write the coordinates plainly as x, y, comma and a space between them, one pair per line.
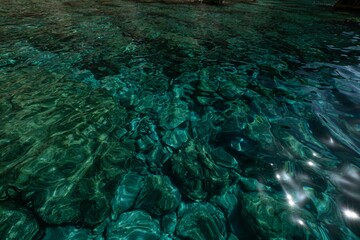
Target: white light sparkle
301, 222
311, 163
288, 196
290, 200
286, 177
351, 214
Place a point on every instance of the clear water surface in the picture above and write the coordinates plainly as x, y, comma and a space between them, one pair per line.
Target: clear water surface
126, 120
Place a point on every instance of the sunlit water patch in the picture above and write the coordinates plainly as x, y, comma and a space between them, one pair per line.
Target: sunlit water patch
125, 120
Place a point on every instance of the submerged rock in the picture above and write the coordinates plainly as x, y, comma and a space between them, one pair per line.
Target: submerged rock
145, 143
197, 174
208, 82
17, 223
223, 158
70, 159
75, 207
253, 185
259, 130
168, 223
201, 222
158, 195
69, 233
204, 127
174, 115
126, 193
176, 137
271, 217
227, 202
134, 225
232, 237
159, 154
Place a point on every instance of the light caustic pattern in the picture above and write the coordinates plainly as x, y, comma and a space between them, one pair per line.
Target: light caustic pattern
125, 120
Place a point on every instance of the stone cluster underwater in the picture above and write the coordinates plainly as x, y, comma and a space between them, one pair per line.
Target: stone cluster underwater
126, 120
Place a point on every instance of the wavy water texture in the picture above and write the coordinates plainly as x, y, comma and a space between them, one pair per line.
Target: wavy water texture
126, 120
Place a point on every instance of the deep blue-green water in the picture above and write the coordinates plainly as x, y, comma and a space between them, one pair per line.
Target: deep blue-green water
127, 120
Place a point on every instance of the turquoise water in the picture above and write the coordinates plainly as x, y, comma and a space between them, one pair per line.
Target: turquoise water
125, 120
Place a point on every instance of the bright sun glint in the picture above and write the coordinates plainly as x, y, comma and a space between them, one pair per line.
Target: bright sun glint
291, 203
290, 200
301, 222
311, 164
351, 214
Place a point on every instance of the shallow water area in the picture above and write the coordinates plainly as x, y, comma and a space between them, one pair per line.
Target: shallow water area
127, 120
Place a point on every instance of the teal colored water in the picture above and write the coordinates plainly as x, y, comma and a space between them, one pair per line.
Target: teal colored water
125, 120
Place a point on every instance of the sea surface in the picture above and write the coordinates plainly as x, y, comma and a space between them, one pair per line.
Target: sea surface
129, 120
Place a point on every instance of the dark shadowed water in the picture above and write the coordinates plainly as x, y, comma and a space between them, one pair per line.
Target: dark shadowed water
125, 120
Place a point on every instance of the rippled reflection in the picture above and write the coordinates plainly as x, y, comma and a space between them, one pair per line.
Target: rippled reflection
125, 120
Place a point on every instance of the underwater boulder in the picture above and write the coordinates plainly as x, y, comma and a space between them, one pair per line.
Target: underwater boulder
158, 195
232, 237
197, 174
175, 138
223, 158
134, 225
126, 193
168, 223
271, 217
17, 223
69, 233
175, 114
201, 222
75, 208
